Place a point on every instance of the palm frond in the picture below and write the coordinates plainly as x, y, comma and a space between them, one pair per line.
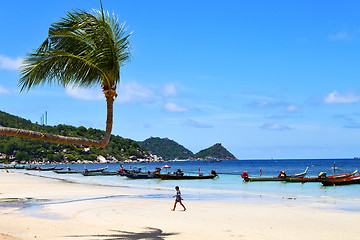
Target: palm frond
82, 49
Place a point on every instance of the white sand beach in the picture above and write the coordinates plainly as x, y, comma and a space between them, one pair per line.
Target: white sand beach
65, 210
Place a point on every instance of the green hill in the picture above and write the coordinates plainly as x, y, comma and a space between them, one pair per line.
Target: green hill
24, 149
216, 151
118, 149
166, 148
169, 149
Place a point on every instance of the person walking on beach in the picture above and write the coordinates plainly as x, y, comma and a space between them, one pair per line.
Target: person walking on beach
178, 199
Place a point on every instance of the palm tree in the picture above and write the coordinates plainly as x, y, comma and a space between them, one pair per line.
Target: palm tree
83, 49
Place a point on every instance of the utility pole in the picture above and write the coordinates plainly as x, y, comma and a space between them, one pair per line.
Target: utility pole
43, 119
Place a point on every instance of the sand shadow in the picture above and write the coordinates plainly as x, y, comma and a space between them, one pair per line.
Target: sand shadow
151, 234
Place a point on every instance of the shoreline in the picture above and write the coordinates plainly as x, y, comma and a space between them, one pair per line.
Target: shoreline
217, 192
44, 163
53, 209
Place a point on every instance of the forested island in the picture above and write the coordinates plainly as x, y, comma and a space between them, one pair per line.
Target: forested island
169, 149
29, 151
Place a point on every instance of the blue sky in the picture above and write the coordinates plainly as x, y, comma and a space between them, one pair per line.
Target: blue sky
267, 79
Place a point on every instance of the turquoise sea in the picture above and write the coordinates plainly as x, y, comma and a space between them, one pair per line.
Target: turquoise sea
230, 187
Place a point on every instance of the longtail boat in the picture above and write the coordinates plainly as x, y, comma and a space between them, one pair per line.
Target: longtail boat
184, 177
71, 171
32, 168
14, 167
281, 177
134, 175
171, 176
319, 178
341, 181
103, 173
49, 169
93, 170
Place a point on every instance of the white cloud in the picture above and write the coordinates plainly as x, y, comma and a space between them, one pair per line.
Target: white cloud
292, 108
252, 95
195, 124
335, 97
84, 93
233, 116
274, 127
10, 64
340, 36
172, 107
134, 92
127, 92
169, 90
264, 104
278, 116
289, 107
4, 90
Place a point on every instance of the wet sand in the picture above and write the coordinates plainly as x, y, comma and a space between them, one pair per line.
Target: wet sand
33, 207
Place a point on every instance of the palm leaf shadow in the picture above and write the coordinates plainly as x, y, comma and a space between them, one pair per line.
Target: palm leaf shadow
151, 234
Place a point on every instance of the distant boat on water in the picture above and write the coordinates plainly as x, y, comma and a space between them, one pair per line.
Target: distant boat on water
133, 175
93, 170
212, 160
48, 169
341, 181
322, 177
179, 175
102, 173
14, 167
67, 171
282, 177
137, 174
168, 176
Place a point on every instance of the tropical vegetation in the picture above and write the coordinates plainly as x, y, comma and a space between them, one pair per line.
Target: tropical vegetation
21, 149
166, 148
83, 49
169, 149
215, 151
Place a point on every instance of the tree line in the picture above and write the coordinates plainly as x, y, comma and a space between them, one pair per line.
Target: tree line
25, 149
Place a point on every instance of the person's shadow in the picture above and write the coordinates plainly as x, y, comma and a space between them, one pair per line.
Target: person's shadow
151, 234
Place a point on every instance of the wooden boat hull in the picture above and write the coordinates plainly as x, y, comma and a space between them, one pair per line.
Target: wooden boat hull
139, 175
264, 179
303, 180
93, 170
49, 169
66, 171
103, 173
32, 168
8, 167
275, 179
184, 177
317, 179
341, 181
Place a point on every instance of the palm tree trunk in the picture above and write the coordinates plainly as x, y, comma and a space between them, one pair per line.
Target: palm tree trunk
109, 94
110, 97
